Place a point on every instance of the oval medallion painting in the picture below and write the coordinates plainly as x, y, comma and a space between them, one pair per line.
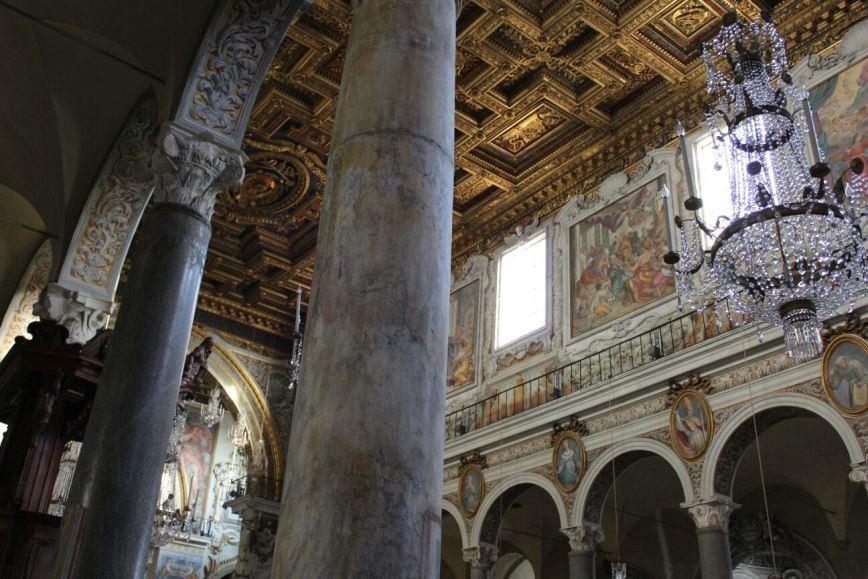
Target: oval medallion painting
845, 373
568, 461
691, 425
471, 489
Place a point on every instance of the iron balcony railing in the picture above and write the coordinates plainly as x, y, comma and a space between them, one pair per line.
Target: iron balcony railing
664, 340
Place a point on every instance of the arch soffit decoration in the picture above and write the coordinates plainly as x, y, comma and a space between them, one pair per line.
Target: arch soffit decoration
231, 63
248, 398
526, 478
456, 514
795, 401
637, 445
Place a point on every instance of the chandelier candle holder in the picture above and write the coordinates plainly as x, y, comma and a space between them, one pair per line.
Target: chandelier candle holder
213, 412
295, 361
793, 252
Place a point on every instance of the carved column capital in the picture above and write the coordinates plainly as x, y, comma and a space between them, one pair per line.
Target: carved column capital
192, 170
483, 555
859, 474
584, 538
712, 513
82, 315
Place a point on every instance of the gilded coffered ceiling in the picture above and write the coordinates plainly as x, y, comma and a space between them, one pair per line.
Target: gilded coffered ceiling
551, 96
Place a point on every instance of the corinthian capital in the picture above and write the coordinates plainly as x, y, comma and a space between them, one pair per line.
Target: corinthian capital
584, 538
192, 170
712, 513
859, 474
482, 556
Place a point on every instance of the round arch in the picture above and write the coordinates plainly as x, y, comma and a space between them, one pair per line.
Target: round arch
456, 514
770, 402
643, 446
247, 397
525, 478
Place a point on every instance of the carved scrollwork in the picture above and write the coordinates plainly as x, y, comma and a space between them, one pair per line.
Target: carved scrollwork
694, 382
571, 425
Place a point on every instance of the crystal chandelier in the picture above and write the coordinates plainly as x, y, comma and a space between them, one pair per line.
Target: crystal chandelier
238, 434
213, 413
169, 523
793, 251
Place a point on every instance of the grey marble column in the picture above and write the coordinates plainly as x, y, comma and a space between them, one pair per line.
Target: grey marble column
368, 430
583, 542
712, 522
108, 522
481, 559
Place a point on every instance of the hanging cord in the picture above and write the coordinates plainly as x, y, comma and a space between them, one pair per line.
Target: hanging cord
614, 485
760, 460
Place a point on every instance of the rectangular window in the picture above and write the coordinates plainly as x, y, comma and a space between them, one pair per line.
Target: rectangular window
712, 181
521, 291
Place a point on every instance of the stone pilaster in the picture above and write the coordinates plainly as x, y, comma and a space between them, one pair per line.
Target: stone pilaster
116, 485
481, 558
583, 544
368, 429
859, 474
711, 517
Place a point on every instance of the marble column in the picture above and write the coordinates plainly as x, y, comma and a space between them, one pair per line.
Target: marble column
108, 522
583, 544
711, 517
481, 559
368, 427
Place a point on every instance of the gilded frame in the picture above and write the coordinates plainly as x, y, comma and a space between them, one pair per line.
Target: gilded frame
825, 375
705, 408
466, 512
583, 464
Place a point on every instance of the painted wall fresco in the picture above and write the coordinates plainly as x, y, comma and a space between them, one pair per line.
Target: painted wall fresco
177, 565
615, 259
463, 346
197, 447
841, 115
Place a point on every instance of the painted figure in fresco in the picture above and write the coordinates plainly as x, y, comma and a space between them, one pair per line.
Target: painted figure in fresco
842, 116
848, 378
470, 492
569, 463
690, 425
196, 445
461, 350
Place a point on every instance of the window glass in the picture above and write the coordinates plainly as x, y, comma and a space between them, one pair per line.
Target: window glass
521, 291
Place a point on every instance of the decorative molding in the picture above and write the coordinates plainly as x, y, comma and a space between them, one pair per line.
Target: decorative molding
816, 68
113, 210
20, 312
853, 324
232, 62
195, 170
82, 315
712, 513
694, 382
571, 425
584, 538
474, 457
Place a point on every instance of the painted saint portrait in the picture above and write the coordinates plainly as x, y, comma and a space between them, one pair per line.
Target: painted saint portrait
615, 259
568, 461
196, 449
841, 115
463, 347
691, 425
175, 565
845, 373
471, 490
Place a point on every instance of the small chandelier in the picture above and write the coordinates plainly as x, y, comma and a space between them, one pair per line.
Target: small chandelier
793, 251
169, 522
295, 360
213, 413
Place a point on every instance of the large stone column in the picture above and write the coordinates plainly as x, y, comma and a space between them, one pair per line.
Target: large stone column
712, 532
583, 545
108, 522
368, 429
481, 559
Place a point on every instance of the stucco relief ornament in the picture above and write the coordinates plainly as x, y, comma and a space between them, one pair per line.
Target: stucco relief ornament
82, 316
713, 514
195, 170
584, 538
859, 474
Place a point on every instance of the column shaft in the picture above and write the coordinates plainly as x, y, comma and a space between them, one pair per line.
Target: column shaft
478, 572
582, 565
117, 480
714, 556
366, 463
